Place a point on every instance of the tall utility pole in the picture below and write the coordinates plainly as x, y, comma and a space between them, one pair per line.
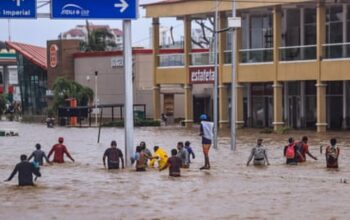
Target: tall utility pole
215, 92
9, 29
129, 112
234, 83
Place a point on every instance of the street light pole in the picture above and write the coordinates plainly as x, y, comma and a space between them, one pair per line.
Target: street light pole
234, 83
215, 95
96, 98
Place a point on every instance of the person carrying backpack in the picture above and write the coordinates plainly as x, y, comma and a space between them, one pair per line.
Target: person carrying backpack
291, 152
332, 154
113, 154
259, 154
303, 148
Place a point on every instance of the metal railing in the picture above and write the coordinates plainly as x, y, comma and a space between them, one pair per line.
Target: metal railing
171, 60
256, 55
202, 59
336, 50
298, 53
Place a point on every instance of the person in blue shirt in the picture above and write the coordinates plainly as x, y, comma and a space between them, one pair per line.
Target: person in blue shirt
190, 151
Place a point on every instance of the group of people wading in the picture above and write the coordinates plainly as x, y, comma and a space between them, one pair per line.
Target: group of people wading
295, 152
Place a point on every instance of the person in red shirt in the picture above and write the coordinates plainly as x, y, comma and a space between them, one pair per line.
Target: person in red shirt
304, 149
60, 149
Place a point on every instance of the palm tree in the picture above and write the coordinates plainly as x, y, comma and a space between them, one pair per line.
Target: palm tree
98, 40
64, 89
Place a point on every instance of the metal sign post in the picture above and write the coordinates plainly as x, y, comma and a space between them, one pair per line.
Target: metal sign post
215, 95
129, 112
96, 98
234, 23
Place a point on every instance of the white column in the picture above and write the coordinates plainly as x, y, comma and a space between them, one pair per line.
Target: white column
344, 124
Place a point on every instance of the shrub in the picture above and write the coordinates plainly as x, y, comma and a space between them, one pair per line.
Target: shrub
137, 123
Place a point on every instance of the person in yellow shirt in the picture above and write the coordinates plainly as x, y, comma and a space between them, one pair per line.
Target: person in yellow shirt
159, 155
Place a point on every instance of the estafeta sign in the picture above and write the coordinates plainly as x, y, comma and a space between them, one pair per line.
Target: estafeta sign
202, 75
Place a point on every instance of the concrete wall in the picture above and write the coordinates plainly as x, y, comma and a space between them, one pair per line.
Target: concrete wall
65, 60
111, 79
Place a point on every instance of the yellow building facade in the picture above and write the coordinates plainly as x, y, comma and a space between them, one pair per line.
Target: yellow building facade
293, 63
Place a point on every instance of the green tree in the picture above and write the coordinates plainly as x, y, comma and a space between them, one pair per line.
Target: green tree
98, 40
64, 89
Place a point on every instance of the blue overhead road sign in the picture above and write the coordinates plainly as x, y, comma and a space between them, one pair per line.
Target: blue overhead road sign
17, 9
94, 9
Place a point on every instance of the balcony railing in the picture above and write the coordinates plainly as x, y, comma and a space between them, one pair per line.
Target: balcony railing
202, 59
297, 53
171, 60
336, 50
256, 55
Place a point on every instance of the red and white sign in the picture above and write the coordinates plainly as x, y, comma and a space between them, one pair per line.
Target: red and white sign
202, 75
53, 55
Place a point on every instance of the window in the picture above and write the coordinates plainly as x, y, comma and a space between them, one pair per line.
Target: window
334, 31
257, 38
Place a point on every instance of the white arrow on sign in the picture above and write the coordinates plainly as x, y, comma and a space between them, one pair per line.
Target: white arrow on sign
123, 5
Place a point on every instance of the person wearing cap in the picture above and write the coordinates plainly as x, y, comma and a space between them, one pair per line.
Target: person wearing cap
206, 131
59, 149
113, 154
259, 154
38, 156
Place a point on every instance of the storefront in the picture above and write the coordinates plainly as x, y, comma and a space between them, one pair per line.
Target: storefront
32, 77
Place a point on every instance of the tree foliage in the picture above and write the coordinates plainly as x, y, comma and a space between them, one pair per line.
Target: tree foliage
98, 40
64, 89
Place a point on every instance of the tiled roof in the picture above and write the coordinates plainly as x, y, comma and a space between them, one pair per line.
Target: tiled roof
75, 33
35, 54
117, 32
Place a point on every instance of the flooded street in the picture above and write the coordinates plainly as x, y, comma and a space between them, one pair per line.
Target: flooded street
230, 190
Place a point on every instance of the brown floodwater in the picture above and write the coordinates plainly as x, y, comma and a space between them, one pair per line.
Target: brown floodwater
230, 190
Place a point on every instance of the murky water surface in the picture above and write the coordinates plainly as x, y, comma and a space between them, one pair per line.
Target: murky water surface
231, 190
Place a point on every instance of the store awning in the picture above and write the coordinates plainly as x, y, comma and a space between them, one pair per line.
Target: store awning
35, 54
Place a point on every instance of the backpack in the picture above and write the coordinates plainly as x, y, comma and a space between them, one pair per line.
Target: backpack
332, 152
290, 152
259, 153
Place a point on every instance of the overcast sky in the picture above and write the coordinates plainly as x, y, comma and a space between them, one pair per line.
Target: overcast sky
38, 31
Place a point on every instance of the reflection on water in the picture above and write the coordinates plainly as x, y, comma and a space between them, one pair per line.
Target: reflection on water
231, 190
